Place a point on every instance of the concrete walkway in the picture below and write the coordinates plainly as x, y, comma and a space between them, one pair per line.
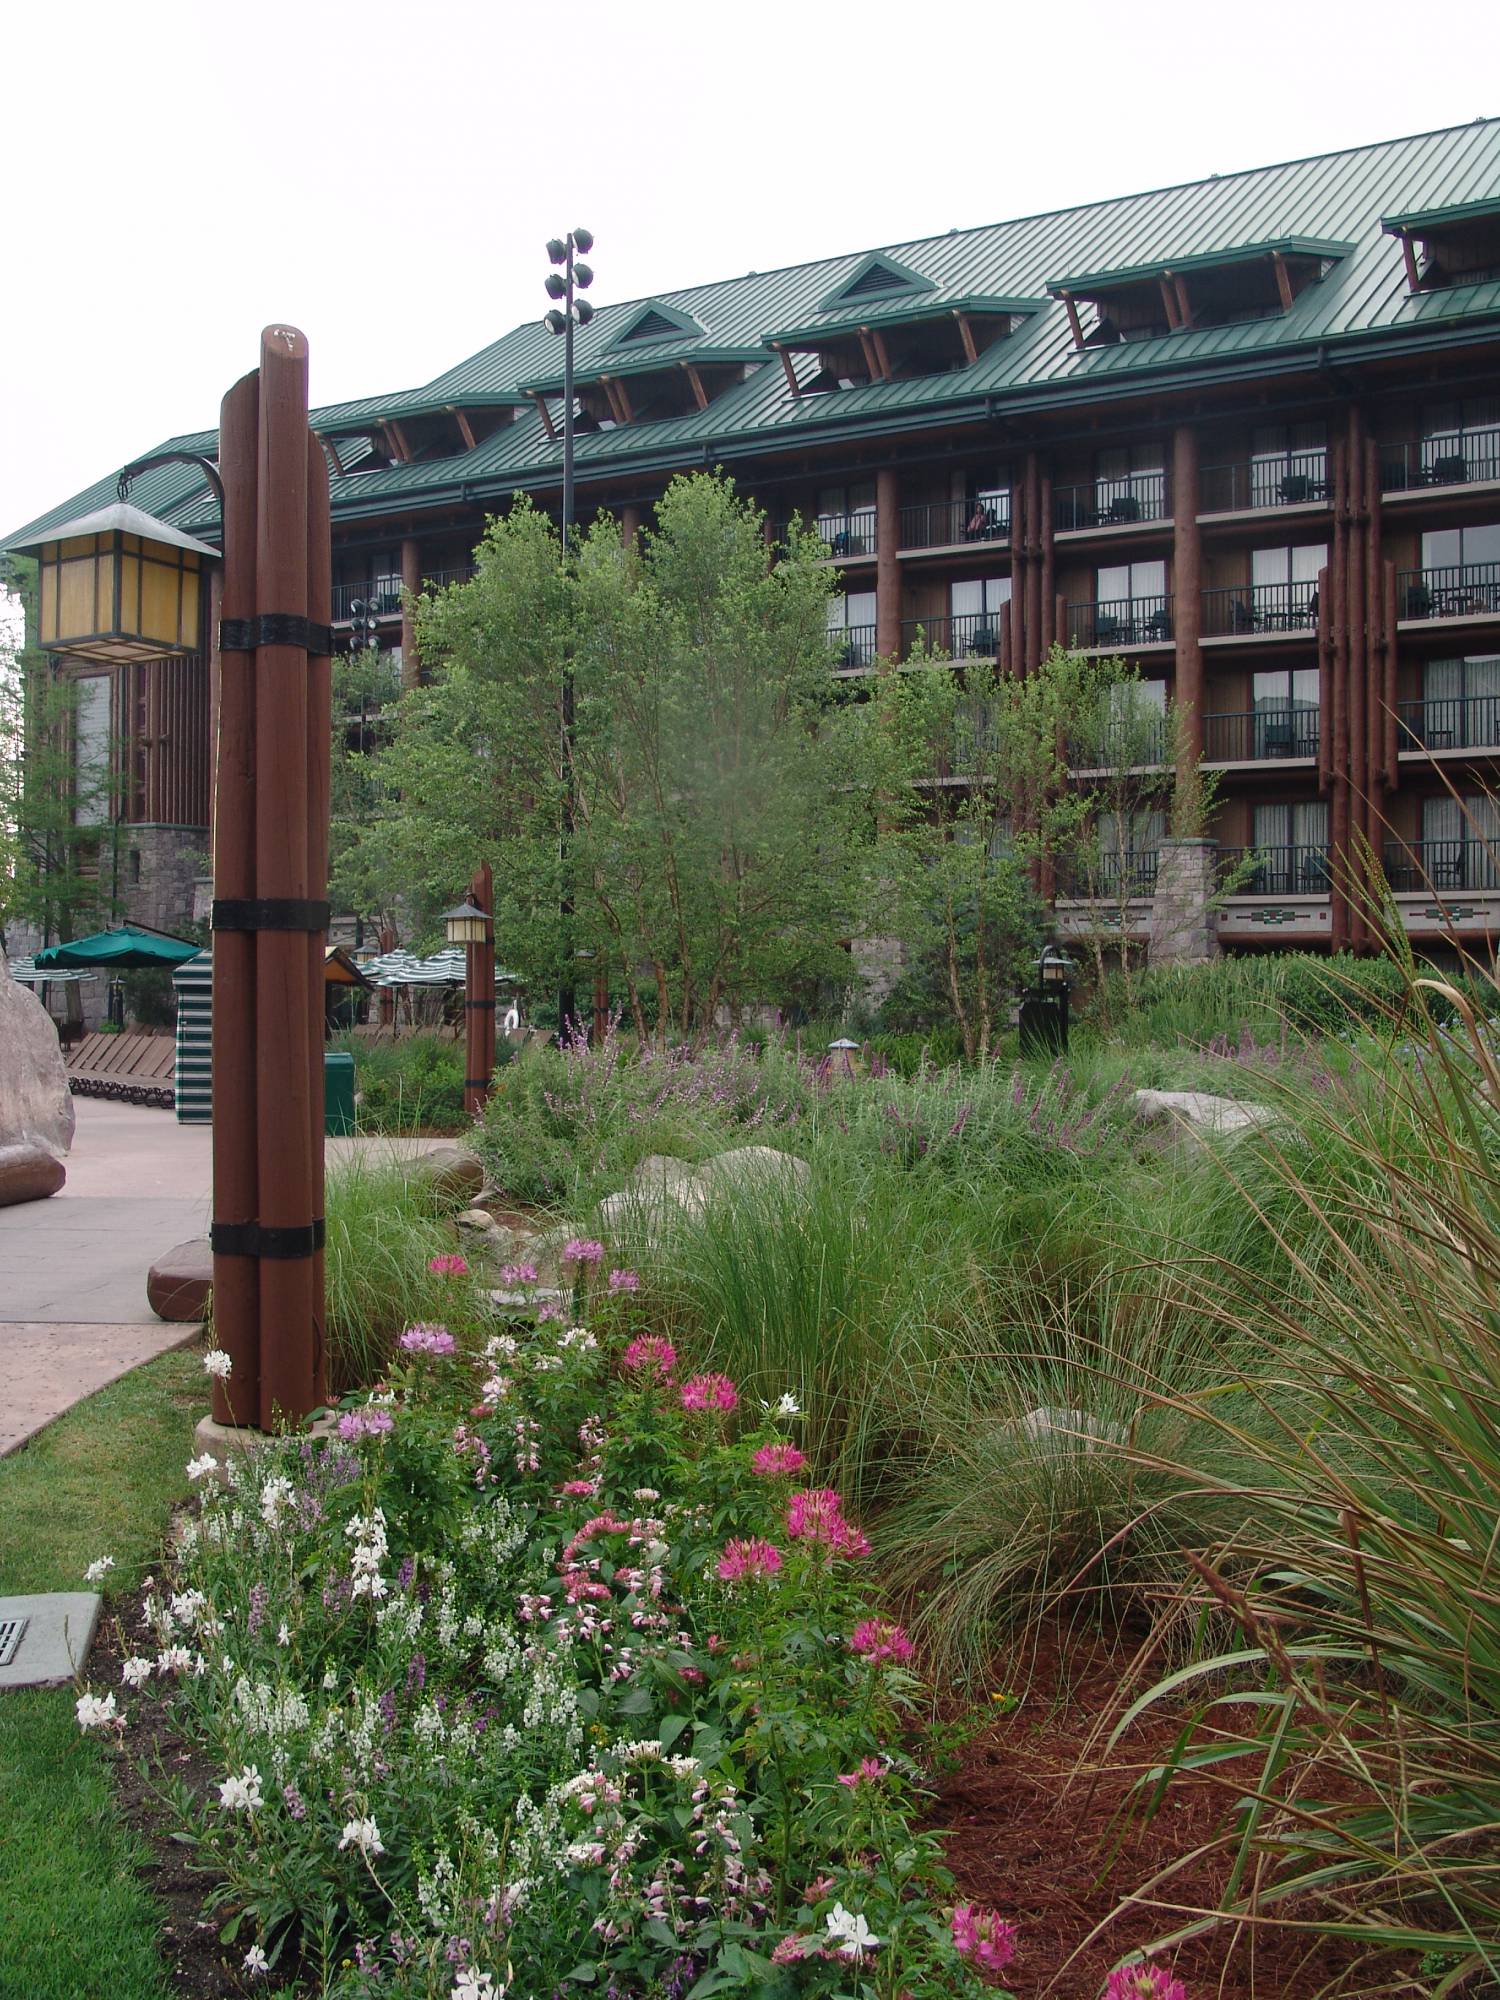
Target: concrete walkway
73, 1311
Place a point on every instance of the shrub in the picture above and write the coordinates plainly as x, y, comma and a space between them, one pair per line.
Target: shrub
414, 1084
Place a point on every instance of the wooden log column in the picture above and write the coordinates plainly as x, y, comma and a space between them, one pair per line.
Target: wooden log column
411, 584
1358, 685
631, 517
270, 878
887, 568
1338, 754
1032, 554
1187, 592
1016, 620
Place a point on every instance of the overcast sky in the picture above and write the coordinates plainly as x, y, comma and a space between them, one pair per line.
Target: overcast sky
384, 175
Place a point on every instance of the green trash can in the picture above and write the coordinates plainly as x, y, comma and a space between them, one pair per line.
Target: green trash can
338, 1091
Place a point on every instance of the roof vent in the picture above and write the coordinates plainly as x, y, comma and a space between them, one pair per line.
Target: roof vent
652, 326
875, 283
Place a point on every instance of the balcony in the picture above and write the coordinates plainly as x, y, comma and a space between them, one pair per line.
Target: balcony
1418, 464
1459, 723
845, 537
1462, 590
1248, 610
1120, 622
970, 635
1110, 878
1275, 871
1295, 479
944, 523
1110, 503
1260, 735
1133, 746
854, 648
1422, 867
384, 592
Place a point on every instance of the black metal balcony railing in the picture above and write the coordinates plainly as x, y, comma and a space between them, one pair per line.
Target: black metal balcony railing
384, 592
1418, 867
1244, 609
1274, 871
1457, 722
1120, 621
970, 635
1260, 733
1109, 876
1461, 590
854, 646
844, 536
1132, 746
1110, 503
1294, 479
938, 523
1452, 461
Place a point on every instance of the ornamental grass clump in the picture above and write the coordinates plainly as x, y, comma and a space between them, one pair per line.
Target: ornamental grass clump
546, 1671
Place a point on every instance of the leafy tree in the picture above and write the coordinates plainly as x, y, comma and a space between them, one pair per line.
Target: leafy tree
719, 851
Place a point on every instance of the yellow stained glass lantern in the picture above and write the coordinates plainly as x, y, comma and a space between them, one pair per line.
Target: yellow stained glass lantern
466, 925
119, 585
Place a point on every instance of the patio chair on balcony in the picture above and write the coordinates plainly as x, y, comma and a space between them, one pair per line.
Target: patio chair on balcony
1418, 601
1452, 469
1242, 616
1124, 507
1108, 629
1278, 739
1297, 487
1157, 626
1313, 874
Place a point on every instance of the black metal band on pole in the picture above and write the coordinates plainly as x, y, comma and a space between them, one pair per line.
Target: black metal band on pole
268, 913
250, 1239
274, 628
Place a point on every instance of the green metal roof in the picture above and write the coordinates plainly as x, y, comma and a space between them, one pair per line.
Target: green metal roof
1197, 260
1441, 218
898, 312
1338, 199
651, 359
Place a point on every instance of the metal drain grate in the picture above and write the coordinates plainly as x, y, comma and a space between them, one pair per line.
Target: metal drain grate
10, 1637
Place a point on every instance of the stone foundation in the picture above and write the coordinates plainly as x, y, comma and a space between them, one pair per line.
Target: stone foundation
1183, 928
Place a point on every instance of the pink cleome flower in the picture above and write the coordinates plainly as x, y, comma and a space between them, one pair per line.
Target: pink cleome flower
777, 1461
709, 1392
816, 1514
868, 1771
1143, 1982
427, 1340
624, 1281
983, 1937
750, 1556
650, 1355
517, 1274
451, 1266
577, 1489
356, 1424
582, 1250
876, 1639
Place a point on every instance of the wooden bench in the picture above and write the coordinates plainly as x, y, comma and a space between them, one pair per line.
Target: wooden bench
133, 1069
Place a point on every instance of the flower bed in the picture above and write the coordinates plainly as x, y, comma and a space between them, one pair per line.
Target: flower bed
551, 1672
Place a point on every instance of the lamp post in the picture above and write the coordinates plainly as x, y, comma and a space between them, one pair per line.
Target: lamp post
1044, 1009
574, 277
471, 925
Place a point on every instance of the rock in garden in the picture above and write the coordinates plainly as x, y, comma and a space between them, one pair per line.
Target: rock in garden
36, 1108
477, 1219
455, 1176
1202, 1114
659, 1172
751, 1166
28, 1172
178, 1284
1067, 1430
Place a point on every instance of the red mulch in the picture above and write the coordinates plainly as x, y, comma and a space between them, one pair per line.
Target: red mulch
1036, 1828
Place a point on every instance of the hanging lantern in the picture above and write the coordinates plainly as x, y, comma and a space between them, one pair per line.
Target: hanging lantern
466, 925
119, 585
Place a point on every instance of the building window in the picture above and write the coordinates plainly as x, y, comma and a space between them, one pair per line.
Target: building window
1460, 705
1288, 463
1285, 703
1131, 605
1461, 548
846, 518
1130, 484
1461, 441
1460, 842
987, 508
851, 627
1291, 850
974, 608
134, 866
1284, 585
1128, 844
91, 750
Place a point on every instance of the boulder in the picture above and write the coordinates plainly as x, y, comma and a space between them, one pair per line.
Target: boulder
478, 1220
751, 1166
1203, 1115
1054, 1430
660, 1173
455, 1176
28, 1172
36, 1107
178, 1284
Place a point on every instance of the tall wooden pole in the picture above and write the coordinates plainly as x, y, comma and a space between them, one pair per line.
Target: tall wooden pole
479, 999
235, 1198
270, 879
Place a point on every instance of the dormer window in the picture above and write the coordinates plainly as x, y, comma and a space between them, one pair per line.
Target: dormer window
1215, 288
896, 338
1446, 247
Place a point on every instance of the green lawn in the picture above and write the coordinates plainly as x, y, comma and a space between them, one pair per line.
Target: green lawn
75, 1920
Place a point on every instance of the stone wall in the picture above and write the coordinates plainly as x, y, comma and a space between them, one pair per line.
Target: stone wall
1184, 927
158, 869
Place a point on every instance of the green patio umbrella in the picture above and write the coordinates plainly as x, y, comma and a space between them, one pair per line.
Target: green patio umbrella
128, 949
